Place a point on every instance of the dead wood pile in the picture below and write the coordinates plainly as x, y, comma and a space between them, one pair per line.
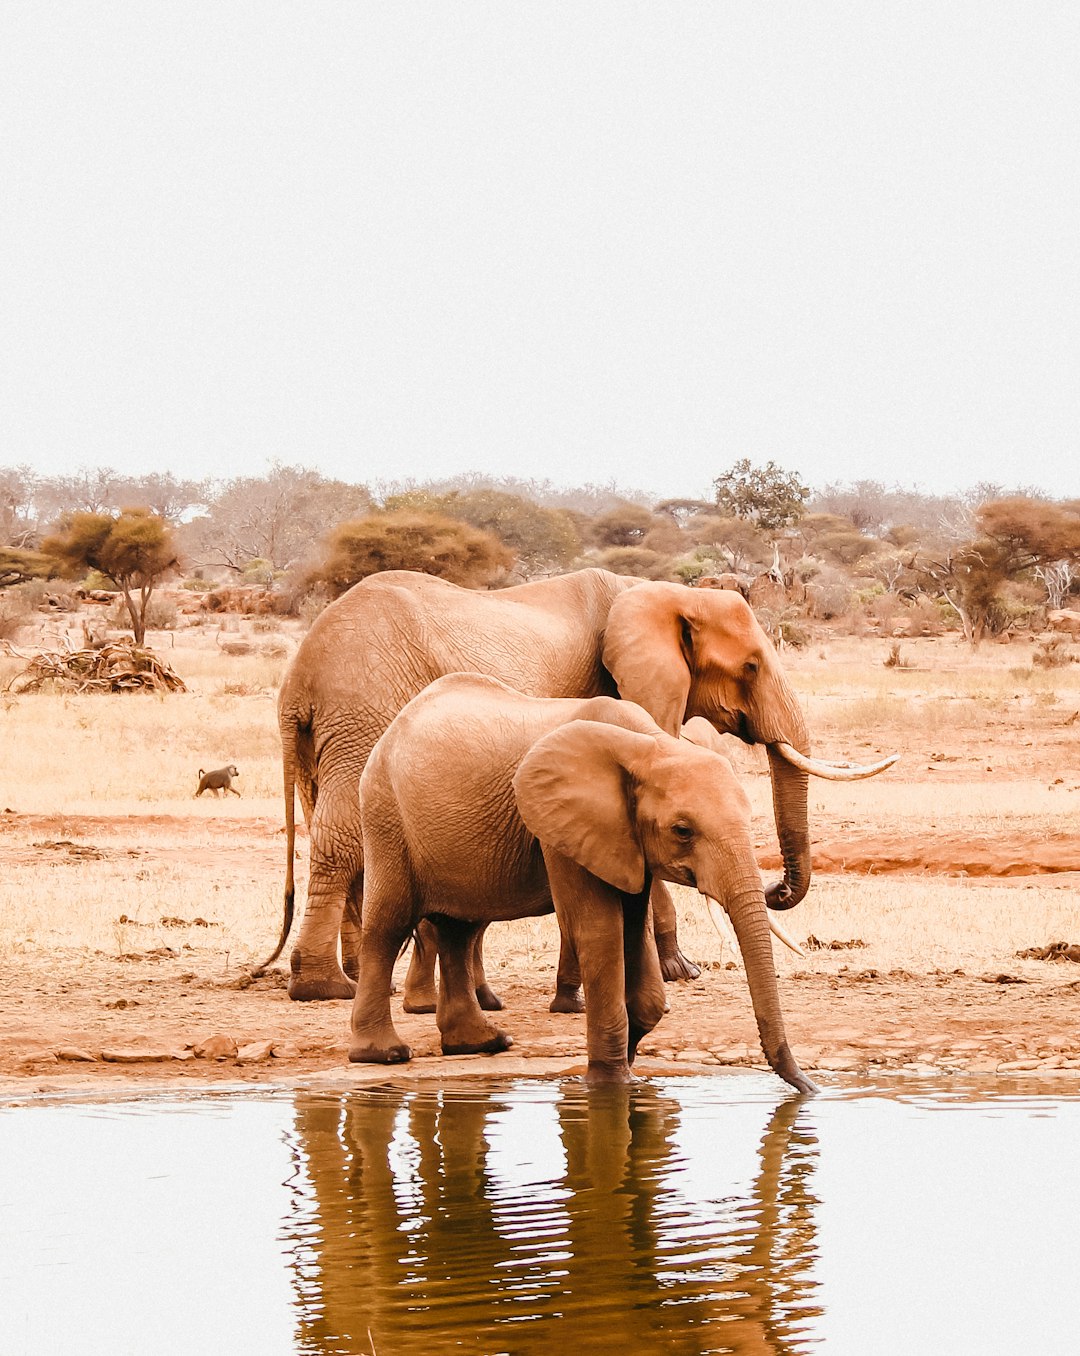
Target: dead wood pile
119, 666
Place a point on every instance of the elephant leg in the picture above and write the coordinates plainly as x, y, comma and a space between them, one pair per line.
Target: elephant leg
387, 922
645, 999
351, 923
486, 996
462, 1024
673, 964
590, 913
568, 994
337, 860
420, 995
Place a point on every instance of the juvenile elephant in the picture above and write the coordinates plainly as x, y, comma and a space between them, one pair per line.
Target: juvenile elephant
677, 652
553, 803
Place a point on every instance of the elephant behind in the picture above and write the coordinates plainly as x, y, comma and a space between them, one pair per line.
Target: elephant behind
677, 652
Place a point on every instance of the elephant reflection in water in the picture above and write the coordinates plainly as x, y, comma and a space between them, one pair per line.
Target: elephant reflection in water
408, 1236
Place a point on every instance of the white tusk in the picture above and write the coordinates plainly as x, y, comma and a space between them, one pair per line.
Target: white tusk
832, 772
722, 923
789, 941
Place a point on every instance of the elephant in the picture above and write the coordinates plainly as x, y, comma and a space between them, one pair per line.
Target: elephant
553, 803
677, 652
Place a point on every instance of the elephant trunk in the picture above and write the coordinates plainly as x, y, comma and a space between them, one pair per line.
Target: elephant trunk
789, 786
745, 906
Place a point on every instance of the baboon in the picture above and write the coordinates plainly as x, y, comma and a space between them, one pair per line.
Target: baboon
219, 780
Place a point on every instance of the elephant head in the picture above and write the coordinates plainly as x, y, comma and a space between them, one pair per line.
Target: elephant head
681, 653
624, 805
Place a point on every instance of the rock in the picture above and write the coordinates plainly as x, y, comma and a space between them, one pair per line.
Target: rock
842, 1063
285, 1050
75, 1055
1018, 1066
255, 1053
216, 1047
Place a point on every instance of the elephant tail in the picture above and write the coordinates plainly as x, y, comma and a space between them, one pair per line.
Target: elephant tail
289, 733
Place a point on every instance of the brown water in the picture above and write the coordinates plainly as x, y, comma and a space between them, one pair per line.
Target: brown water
686, 1215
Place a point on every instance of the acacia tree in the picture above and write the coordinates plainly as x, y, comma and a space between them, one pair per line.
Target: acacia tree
16, 566
411, 540
274, 518
133, 549
1017, 536
767, 495
544, 540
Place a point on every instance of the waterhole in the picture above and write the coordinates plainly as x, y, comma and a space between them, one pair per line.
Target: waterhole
685, 1215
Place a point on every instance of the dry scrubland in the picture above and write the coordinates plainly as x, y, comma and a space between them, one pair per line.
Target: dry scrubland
932, 866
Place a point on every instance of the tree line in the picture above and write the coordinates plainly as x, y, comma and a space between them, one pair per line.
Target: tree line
991, 557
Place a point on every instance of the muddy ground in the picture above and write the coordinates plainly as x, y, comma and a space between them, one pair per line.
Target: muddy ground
986, 800
174, 1013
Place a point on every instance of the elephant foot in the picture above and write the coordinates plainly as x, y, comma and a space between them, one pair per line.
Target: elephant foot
600, 1074
673, 964
493, 1044
418, 1002
568, 998
367, 1053
351, 966
488, 999
312, 987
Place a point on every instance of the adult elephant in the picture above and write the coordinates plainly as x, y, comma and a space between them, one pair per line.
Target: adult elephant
677, 652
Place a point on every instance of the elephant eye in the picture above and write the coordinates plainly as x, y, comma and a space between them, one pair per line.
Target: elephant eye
683, 832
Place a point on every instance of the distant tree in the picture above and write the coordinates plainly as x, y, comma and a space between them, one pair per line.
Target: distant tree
18, 486
835, 538
163, 494
411, 540
623, 525
544, 540
18, 566
133, 548
680, 511
737, 543
636, 560
587, 500
92, 489
879, 510
277, 517
767, 495
1015, 536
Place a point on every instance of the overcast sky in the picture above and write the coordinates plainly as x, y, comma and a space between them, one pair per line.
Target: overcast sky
588, 241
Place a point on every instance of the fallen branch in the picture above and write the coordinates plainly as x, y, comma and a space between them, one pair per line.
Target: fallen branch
120, 666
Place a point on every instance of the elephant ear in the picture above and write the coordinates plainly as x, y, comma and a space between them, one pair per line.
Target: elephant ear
701, 732
647, 650
574, 790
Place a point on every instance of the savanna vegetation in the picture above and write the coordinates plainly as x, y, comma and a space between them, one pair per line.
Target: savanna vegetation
862, 558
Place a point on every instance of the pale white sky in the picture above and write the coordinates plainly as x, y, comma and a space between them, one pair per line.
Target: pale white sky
588, 241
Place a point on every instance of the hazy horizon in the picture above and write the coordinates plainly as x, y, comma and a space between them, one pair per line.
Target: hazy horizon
589, 243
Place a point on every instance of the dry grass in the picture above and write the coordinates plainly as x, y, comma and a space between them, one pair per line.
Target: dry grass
915, 924
71, 756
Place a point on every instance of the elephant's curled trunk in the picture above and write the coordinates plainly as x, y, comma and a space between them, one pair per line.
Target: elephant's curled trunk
789, 787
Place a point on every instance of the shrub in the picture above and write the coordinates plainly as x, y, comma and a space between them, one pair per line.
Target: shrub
1053, 653
406, 540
